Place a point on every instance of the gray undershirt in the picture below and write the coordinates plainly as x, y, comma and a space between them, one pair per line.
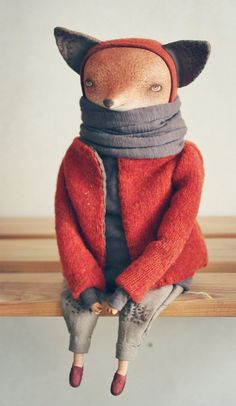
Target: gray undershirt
117, 254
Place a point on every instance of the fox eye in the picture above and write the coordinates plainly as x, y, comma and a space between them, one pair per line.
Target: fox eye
88, 83
156, 87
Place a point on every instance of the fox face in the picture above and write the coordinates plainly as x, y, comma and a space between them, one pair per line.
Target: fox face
127, 77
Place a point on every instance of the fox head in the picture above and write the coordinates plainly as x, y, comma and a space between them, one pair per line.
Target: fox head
129, 73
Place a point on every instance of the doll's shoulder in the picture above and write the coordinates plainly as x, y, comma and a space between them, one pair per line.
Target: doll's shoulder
71, 149
189, 163
66, 161
71, 153
191, 153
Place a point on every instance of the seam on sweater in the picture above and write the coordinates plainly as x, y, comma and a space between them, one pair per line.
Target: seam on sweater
75, 215
103, 173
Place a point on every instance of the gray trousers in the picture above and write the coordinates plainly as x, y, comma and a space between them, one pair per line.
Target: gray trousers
135, 320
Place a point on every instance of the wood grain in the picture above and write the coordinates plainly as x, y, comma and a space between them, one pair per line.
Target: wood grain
32, 294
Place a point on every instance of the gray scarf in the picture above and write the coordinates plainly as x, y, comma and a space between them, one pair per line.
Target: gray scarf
145, 132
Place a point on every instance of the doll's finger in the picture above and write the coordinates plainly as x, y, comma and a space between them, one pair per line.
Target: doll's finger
114, 311
98, 306
97, 311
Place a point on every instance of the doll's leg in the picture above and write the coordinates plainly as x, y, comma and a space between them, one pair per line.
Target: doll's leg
122, 366
80, 324
78, 359
135, 319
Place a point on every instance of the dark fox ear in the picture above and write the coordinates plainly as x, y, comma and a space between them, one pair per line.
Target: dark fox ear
190, 58
73, 46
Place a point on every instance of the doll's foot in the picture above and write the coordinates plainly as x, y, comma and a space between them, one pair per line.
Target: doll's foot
118, 384
76, 374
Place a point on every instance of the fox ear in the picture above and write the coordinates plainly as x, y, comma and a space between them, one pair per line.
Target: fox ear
190, 58
73, 46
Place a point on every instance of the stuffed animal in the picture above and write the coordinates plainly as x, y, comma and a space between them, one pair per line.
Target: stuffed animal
128, 191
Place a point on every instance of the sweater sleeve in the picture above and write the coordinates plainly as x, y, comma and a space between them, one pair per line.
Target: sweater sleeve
174, 230
79, 266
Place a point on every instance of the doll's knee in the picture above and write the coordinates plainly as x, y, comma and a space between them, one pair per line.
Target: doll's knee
135, 312
67, 301
79, 321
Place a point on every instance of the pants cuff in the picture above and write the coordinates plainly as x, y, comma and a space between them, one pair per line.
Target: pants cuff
79, 346
126, 353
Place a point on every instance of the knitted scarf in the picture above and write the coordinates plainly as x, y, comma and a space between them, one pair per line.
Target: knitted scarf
146, 132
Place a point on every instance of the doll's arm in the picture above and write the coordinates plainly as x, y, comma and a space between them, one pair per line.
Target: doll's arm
80, 268
89, 297
118, 299
174, 230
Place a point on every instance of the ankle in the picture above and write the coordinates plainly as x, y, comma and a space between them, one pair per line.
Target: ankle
78, 360
78, 364
122, 372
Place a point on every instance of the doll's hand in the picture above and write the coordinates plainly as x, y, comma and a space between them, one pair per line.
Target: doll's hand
109, 309
96, 308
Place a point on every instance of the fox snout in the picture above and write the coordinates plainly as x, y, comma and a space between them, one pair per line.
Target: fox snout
108, 103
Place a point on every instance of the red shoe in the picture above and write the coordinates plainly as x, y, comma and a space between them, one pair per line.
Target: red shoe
118, 384
76, 374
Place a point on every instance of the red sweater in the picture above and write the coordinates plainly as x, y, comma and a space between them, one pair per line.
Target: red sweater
159, 201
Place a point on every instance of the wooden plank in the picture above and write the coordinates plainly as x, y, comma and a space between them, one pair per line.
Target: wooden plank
29, 255
27, 227
43, 227
218, 226
29, 294
41, 255
222, 255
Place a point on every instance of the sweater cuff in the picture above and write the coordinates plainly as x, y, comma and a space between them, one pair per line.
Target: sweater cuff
118, 299
89, 297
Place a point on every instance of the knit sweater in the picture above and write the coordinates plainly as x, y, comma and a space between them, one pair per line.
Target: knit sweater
164, 240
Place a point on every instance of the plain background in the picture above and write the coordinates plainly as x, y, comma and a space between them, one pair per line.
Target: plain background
185, 360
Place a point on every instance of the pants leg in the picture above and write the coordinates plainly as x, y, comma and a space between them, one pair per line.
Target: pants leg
80, 322
135, 319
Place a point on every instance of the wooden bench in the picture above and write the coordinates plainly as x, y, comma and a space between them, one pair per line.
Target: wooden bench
31, 276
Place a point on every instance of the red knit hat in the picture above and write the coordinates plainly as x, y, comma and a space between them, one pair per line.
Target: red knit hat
149, 44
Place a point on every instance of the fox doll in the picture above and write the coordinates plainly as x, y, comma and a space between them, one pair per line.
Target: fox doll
128, 191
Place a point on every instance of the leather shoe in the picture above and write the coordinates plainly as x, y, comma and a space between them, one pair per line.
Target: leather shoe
118, 384
75, 377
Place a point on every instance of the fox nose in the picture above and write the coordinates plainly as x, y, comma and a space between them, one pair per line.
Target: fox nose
108, 102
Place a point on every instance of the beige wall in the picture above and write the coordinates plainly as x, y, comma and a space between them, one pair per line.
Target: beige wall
40, 95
